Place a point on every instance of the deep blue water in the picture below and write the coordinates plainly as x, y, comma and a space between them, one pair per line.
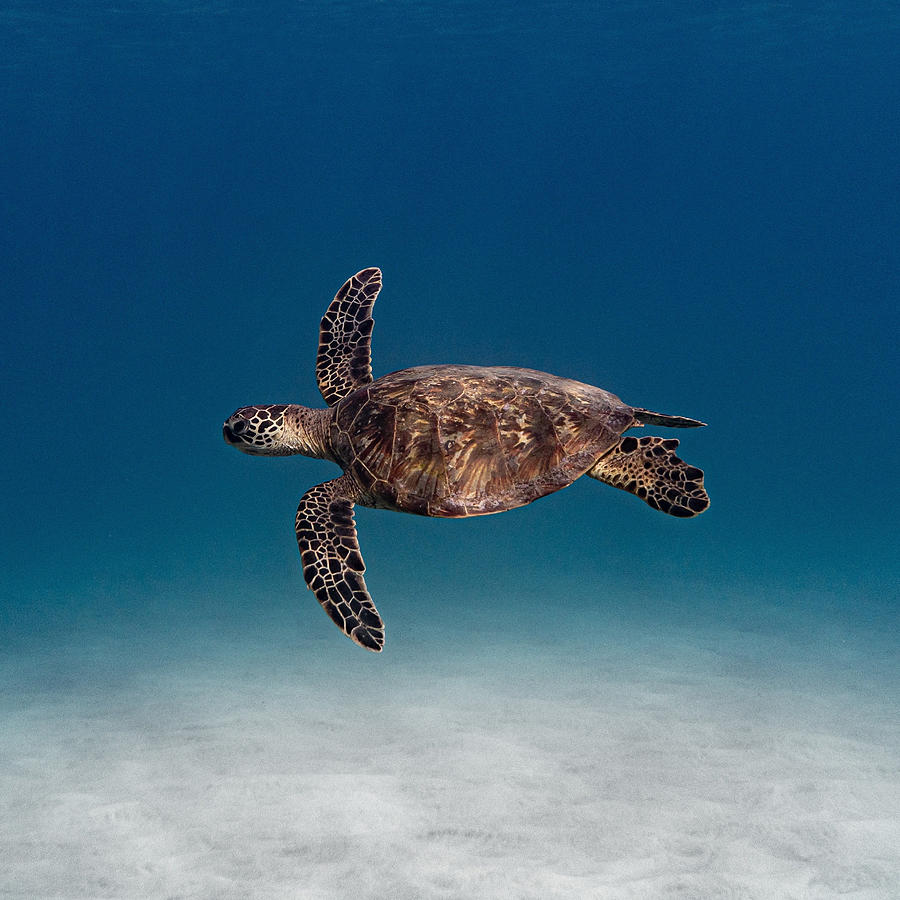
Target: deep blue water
693, 205
698, 211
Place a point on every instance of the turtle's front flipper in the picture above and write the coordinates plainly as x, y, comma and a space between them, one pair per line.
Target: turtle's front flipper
648, 468
332, 564
344, 361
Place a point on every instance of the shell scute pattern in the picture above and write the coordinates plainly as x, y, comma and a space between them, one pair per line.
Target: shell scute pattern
373, 430
452, 441
529, 439
418, 469
437, 392
474, 456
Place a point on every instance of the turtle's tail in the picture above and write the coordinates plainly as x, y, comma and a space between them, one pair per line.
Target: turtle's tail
645, 417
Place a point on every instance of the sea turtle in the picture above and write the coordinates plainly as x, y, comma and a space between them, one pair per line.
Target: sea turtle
448, 441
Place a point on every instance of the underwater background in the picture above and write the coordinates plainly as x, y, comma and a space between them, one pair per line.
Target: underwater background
694, 205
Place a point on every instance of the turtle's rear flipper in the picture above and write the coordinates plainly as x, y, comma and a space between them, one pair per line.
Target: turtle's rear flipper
648, 468
332, 564
645, 417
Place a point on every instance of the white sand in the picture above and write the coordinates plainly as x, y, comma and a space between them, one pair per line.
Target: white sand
667, 761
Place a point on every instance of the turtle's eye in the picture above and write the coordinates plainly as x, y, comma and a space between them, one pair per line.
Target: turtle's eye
238, 426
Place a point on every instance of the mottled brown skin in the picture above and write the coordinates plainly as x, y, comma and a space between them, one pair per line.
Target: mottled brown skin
448, 441
457, 441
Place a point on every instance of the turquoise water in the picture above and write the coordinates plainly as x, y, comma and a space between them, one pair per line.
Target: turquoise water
695, 208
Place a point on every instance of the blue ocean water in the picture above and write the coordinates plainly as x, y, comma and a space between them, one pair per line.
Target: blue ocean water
695, 206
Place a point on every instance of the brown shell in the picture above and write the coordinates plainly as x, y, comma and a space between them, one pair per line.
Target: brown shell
466, 441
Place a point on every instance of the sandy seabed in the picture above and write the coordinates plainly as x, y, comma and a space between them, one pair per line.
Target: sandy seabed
631, 760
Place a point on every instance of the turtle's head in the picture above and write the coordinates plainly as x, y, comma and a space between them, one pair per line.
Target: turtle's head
258, 430
279, 430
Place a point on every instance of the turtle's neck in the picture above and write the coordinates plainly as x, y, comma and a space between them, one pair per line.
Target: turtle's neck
306, 429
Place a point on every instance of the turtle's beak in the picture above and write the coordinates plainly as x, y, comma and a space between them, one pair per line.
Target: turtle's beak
232, 430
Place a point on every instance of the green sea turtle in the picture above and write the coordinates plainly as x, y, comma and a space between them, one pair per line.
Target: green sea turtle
449, 441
